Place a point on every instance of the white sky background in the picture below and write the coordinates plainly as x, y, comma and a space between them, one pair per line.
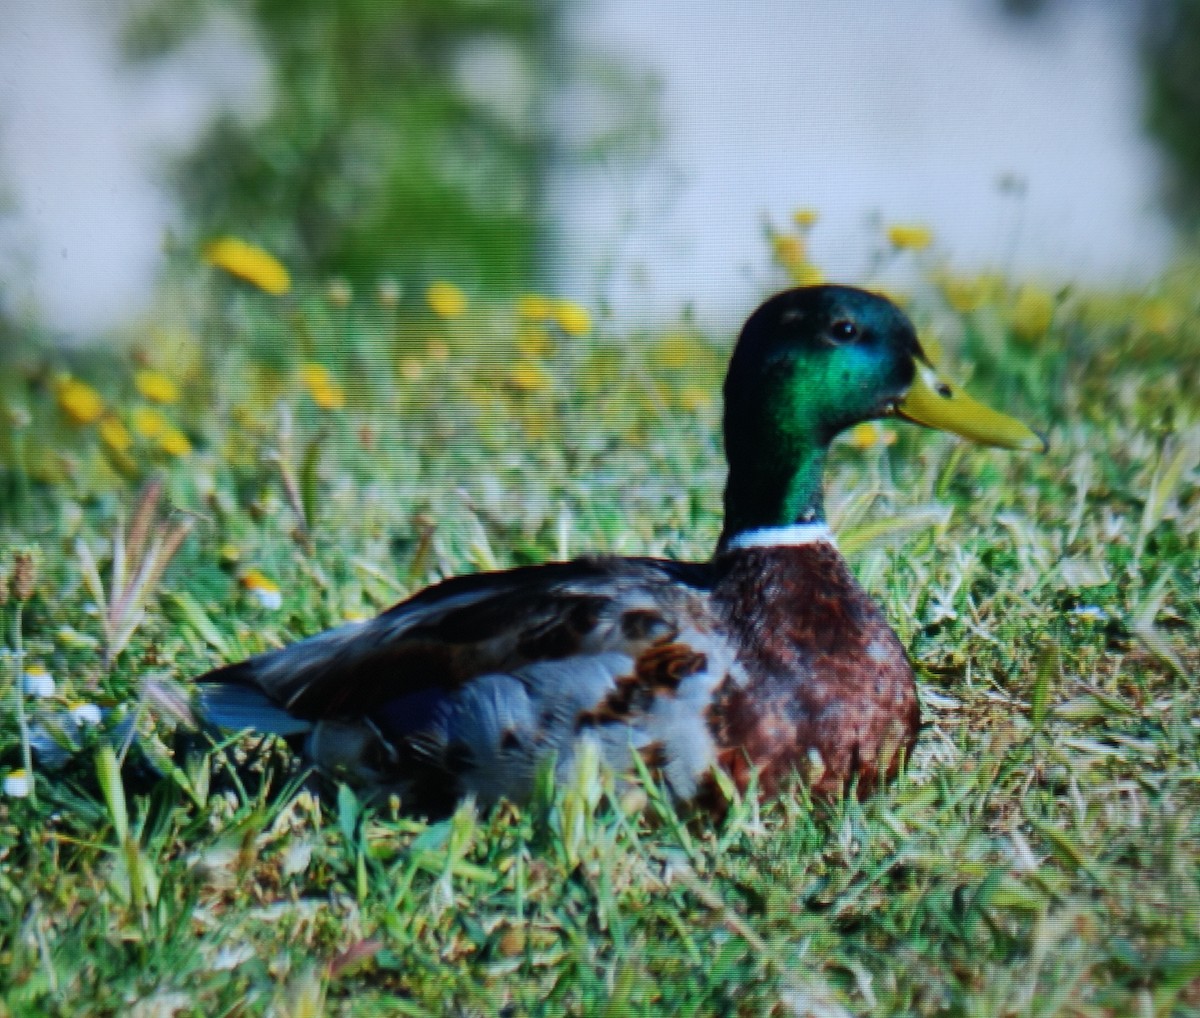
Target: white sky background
81, 147
910, 109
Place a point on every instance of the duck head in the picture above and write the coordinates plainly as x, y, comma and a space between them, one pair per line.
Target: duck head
812, 362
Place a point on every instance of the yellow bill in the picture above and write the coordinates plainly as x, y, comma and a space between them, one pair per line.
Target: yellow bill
936, 403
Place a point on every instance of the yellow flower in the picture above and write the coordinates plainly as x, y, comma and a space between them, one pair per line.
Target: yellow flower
805, 218
328, 397
1032, 314
573, 318
322, 387
869, 435
156, 387
262, 588
446, 300
963, 295
149, 423
675, 350
114, 434
1158, 318
534, 306
909, 236
249, 263
694, 398
38, 681
174, 442
79, 401
789, 250
807, 274
528, 376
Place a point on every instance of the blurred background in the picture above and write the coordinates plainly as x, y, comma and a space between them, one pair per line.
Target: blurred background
632, 155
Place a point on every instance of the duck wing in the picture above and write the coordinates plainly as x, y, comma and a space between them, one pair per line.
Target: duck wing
467, 687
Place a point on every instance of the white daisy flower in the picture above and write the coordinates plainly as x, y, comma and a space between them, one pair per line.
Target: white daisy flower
85, 714
263, 589
18, 784
37, 681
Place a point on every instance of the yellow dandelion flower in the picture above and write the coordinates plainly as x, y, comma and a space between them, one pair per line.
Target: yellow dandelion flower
807, 274
694, 399
174, 442
1158, 318
789, 249
573, 318
156, 387
529, 376
149, 423
114, 434
535, 307
79, 401
323, 388
328, 397
249, 263
805, 218
675, 350
411, 369
870, 435
1032, 313
909, 236
446, 300
314, 375
962, 294
262, 588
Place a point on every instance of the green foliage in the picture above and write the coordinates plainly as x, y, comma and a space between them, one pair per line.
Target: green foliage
1172, 54
400, 137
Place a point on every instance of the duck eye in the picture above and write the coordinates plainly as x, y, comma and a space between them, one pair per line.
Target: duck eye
843, 331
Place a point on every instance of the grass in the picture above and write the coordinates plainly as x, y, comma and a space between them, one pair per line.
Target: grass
1041, 856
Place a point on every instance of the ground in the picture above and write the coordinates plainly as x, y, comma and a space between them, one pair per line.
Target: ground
324, 452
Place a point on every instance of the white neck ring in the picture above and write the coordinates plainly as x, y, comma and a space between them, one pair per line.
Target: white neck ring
783, 537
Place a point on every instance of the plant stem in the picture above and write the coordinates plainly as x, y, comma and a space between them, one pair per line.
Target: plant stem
19, 696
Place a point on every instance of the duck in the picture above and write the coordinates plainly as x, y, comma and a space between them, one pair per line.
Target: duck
765, 662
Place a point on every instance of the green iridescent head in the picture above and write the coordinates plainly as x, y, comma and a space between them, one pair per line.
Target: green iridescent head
812, 362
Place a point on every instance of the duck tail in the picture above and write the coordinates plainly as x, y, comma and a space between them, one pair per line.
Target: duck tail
282, 691
233, 699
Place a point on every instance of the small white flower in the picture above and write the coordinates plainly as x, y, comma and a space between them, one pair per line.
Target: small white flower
18, 784
1090, 613
269, 599
85, 714
263, 589
941, 607
38, 681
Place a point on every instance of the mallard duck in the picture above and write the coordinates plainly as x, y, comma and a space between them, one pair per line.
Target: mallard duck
768, 657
